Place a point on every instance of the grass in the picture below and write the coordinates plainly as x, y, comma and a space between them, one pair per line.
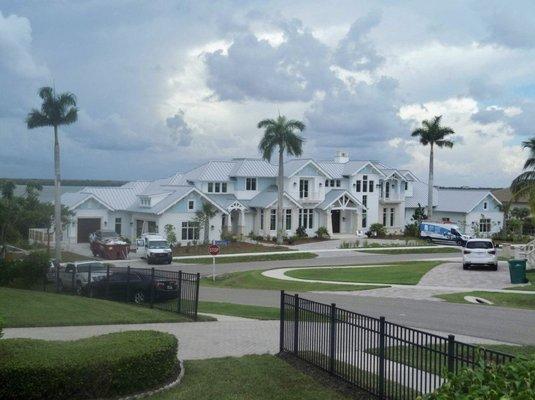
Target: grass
265, 257
239, 310
232, 248
20, 308
255, 280
511, 300
529, 288
427, 250
67, 256
250, 377
402, 273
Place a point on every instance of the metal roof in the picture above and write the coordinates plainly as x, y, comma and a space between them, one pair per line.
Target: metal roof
420, 196
225, 200
269, 196
460, 200
248, 167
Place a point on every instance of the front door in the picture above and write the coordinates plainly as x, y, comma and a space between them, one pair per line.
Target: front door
335, 216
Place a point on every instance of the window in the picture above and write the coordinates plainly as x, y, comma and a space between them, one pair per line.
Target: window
288, 219
484, 225
153, 228
210, 187
273, 220
191, 204
387, 190
364, 219
485, 205
250, 184
371, 187
118, 226
392, 214
326, 183
217, 186
190, 230
303, 188
479, 244
338, 183
261, 219
358, 186
306, 218
364, 183
224, 187
406, 185
365, 200
384, 216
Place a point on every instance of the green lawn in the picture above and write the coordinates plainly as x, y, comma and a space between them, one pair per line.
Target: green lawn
255, 280
31, 308
408, 273
511, 300
427, 250
262, 377
265, 257
239, 310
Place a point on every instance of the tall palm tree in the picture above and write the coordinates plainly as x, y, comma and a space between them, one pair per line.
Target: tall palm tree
432, 134
281, 133
524, 184
203, 216
56, 110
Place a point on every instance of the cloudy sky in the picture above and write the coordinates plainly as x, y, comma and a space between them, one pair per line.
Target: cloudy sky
165, 85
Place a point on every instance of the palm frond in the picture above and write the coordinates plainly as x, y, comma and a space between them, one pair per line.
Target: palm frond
67, 99
418, 132
444, 143
71, 116
46, 93
35, 119
265, 123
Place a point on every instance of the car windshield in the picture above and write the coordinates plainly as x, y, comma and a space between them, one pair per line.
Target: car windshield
158, 244
479, 244
95, 267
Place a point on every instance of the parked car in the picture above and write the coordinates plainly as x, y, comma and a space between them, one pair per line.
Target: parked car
154, 248
480, 252
137, 285
109, 245
75, 276
443, 232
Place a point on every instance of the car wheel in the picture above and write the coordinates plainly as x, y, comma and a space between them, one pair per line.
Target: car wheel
139, 297
466, 266
149, 261
495, 267
459, 242
169, 261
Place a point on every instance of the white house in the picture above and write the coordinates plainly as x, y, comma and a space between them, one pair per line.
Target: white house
341, 195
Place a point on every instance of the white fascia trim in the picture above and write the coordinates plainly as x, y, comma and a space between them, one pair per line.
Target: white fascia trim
327, 175
350, 196
188, 193
366, 165
288, 197
92, 196
483, 198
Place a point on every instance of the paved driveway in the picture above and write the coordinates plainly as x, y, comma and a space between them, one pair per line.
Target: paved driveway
452, 274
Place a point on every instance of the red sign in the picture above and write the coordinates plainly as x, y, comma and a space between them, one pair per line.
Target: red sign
213, 249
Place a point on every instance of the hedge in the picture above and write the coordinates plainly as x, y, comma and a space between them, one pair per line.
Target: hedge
98, 367
26, 272
512, 381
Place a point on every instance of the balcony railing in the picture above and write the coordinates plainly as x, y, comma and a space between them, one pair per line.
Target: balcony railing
311, 197
393, 197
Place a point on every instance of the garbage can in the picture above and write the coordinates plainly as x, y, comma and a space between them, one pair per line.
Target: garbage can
517, 270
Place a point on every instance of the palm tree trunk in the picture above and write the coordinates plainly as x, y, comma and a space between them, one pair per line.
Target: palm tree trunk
280, 189
57, 202
430, 185
206, 229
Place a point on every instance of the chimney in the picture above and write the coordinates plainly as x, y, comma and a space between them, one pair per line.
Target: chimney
341, 157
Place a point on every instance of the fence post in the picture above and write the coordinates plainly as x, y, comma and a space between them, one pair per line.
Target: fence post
332, 352
179, 293
281, 337
296, 323
107, 281
73, 275
128, 283
382, 357
451, 354
56, 264
197, 295
152, 287
89, 291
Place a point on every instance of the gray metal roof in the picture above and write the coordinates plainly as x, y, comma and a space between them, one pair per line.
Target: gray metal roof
420, 196
72, 199
248, 167
459, 200
339, 170
267, 197
225, 200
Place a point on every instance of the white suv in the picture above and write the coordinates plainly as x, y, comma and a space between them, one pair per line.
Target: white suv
480, 252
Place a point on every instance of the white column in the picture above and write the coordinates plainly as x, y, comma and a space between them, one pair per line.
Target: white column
241, 222
329, 222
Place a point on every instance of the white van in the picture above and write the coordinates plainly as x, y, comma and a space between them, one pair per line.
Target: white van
442, 232
154, 248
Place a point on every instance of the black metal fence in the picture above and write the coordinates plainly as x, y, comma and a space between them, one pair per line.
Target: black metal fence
174, 291
388, 360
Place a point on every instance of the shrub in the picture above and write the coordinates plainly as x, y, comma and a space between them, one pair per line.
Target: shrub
103, 366
26, 272
301, 232
512, 381
1, 327
377, 230
322, 233
412, 230
291, 239
170, 234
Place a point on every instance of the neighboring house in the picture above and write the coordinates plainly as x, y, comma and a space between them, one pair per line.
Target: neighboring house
506, 198
341, 195
476, 211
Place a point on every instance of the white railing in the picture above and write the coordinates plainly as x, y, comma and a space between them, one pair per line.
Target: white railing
39, 235
527, 252
392, 197
311, 197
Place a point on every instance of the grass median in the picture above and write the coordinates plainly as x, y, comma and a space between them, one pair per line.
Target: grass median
25, 308
239, 310
250, 258
510, 300
426, 250
408, 273
255, 280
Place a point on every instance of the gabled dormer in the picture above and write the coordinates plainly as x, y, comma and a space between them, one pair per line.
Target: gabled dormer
305, 180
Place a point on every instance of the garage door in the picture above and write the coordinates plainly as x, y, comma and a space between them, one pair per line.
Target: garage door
86, 226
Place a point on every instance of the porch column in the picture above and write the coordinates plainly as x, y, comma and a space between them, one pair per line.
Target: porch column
329, 222
267, 212
241, 222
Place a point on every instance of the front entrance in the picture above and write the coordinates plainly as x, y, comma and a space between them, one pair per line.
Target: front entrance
86, 226
335, 218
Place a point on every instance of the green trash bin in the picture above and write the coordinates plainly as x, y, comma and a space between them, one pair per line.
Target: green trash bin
517, 270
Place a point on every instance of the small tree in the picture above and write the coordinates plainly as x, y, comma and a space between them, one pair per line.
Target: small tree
419, 214
170, 234
203, 216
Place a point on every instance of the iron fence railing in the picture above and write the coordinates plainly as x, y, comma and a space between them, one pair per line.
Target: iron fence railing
388, 360
174, 291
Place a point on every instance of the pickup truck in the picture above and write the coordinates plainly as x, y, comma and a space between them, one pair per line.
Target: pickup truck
75, 276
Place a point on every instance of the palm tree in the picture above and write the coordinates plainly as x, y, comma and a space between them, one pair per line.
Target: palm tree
524, 184
56, 110
281, 133
431, 133
203, 216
